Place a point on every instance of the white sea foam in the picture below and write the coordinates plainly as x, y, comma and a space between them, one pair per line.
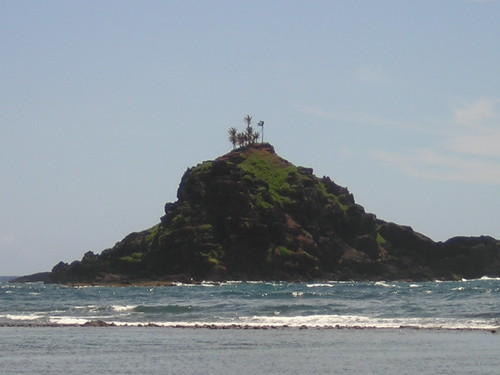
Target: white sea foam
20, 316
277, 320
385, 284
70, 320
320, 285
120, 308
253, 282
317, 321
490, 278
209, 284
483, 278
350, 321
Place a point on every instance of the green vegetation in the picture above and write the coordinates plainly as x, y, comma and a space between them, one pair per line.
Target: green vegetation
337, 199
261, 202
284, 251
204, 167
273, 171
248, 137
153, 232
214, 256
133, 258
381, 241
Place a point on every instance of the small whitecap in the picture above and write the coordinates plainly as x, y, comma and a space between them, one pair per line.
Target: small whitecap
384, 284
490, 278
21, 317
66, 320
121, 308
320, 285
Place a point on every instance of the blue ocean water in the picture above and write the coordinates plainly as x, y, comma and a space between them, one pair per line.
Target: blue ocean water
467, 304
141, 350
40, 331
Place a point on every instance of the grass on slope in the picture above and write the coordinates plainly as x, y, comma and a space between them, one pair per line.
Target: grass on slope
271, 169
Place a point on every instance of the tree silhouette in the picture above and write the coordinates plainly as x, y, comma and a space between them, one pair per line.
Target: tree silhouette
233, 136
241, 139
250, 133
249, 136
248, 119
256, 136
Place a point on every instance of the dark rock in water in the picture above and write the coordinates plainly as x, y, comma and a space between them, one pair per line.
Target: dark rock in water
97, 323
36, 277
251, 215
470, 257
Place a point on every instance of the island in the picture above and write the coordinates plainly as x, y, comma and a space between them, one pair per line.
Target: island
252, 215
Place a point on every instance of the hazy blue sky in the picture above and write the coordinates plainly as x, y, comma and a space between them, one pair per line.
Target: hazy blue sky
104, 104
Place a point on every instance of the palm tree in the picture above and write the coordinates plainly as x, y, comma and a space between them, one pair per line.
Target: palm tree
241, 139
248, 119
232, 136
256, 136
249, 136
249, 133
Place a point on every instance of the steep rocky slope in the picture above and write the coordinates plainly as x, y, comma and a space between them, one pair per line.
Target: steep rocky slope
251, 215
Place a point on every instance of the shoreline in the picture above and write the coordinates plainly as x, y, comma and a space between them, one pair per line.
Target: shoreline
212, 326
165, 283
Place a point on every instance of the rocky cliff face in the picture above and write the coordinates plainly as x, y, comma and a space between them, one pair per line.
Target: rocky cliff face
252, 215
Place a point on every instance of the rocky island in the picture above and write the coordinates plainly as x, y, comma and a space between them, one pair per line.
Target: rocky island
252, 215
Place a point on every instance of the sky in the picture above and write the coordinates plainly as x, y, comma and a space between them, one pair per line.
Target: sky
105, 104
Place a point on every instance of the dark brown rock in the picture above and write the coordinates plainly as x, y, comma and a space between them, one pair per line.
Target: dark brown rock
252, 215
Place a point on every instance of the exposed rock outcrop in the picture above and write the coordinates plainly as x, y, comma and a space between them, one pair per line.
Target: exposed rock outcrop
250, 214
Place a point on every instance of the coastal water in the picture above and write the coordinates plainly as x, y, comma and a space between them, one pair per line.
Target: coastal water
117, 350
468, 304
249, 328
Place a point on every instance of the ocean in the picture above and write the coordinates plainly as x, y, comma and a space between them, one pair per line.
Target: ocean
252, 327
